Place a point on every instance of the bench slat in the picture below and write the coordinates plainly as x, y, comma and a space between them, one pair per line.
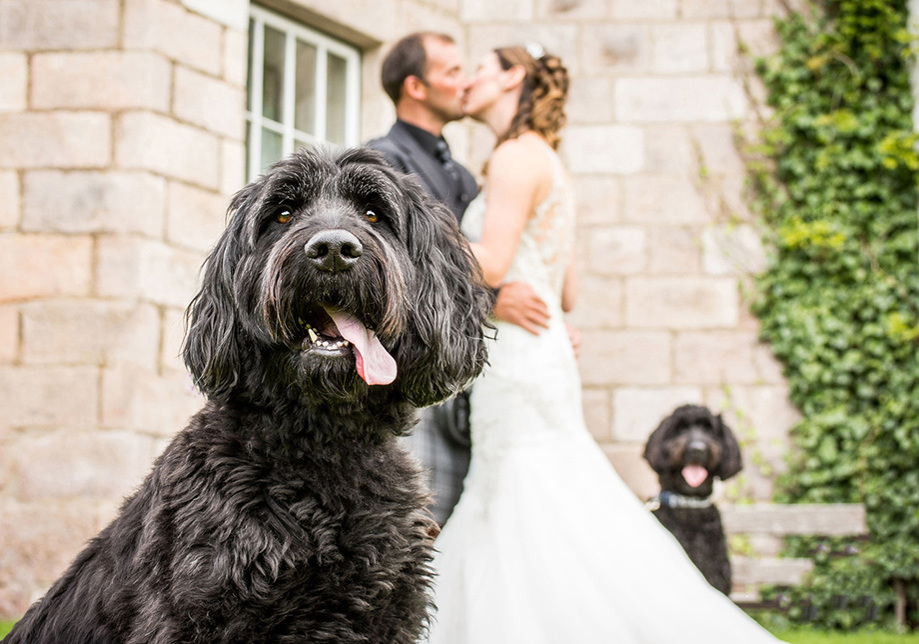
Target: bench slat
838, 519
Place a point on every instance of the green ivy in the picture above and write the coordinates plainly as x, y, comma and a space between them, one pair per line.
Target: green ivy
837, 184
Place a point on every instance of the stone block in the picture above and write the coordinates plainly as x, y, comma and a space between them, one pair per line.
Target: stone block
14, 70
39, 543
618, 250
58, 24
145, 270
604, 149
232, 167
10, 201
760, 414
590, 101
663, 199
497, 10
596, 413
746, 8
94, 202
600, 302
68, 464
9, 338
170, 29
679, 99
758, 37
644, 10
196, 217
153, 142
705, 9
618, 48
44, 266
681, 302
717, 149
598, 199
90, 332
141, 400
565, 10
209, 103
107, 80
633, 469
674, 250
669, 150
733, 251
638, 411
173, 337
715, 357
49, 396
680, 48
235, 56
625, 357
55, 140
726, 56
562, 39
232, 13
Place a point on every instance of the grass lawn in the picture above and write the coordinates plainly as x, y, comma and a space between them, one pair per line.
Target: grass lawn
5, 627
807, 636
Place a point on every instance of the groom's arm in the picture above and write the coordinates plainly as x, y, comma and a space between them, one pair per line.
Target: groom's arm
518, 304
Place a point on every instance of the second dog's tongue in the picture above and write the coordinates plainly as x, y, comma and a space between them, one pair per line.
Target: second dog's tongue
695, 475
374, 364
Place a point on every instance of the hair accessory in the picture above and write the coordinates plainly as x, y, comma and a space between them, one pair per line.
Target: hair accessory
535, 50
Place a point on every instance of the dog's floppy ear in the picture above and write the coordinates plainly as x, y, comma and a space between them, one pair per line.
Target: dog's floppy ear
731, 461
212, 350
654, 449
450, 301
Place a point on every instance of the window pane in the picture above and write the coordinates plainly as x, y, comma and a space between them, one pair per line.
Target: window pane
305, 113
272, 148
336, 94
300, 144
273, 74
249, 65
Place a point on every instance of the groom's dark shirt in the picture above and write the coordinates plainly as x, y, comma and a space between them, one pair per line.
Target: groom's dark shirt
416, 151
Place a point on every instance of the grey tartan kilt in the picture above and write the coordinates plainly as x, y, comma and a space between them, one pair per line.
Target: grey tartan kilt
442, 443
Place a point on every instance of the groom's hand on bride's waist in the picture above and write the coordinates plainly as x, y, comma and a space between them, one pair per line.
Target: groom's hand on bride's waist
518, 304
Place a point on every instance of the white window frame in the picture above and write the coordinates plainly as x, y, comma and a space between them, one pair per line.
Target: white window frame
324, 44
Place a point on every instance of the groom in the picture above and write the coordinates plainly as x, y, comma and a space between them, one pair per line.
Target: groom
423, 76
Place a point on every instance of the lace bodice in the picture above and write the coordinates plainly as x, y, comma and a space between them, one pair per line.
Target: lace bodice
545, 246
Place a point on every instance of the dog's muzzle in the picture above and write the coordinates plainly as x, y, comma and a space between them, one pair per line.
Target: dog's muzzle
334, 251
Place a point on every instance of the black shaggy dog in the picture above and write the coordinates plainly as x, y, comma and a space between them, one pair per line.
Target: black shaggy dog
688, 450
338, 299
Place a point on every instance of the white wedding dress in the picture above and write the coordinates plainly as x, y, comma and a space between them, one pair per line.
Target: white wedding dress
547, 545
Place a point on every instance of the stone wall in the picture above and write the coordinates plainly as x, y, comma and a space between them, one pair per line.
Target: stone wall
122, 138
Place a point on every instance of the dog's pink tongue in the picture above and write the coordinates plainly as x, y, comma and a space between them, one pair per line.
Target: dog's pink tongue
695, 475
374, 364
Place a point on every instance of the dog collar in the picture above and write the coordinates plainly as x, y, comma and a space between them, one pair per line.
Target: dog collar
674, 500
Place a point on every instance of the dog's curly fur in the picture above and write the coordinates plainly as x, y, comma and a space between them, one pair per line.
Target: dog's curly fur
693, 435
285, 512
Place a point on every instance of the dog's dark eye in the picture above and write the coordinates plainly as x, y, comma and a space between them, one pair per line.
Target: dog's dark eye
372, 217
283, 216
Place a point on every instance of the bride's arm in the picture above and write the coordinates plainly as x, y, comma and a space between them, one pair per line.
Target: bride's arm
570, 287
513, 180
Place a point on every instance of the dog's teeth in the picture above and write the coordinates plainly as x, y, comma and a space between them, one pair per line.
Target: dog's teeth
312, 333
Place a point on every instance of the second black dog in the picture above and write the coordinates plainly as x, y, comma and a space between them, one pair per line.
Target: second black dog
688, 450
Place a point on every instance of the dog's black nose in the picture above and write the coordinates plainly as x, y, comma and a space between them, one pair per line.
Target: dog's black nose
334, 250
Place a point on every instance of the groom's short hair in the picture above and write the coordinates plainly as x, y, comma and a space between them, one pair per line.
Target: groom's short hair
407, 58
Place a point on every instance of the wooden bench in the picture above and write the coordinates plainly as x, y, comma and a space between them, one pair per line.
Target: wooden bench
766, 524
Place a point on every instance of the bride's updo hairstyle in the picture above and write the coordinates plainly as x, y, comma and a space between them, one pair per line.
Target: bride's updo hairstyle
545, 90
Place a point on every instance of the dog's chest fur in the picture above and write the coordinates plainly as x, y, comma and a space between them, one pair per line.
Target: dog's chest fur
700, 532
239, 514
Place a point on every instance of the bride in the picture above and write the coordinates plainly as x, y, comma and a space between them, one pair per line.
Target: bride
547, 544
